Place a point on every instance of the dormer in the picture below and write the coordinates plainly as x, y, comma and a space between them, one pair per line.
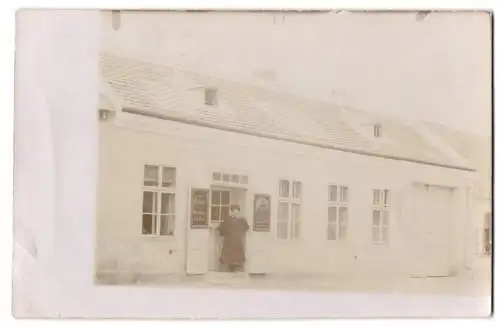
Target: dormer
368, 126
211, 96
377, 130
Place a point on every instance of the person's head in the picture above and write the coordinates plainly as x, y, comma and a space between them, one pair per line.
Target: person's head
234, 210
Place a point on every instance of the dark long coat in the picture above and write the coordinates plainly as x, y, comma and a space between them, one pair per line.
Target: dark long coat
233, 249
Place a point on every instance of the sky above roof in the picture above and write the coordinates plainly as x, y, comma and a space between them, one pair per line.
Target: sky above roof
437, 69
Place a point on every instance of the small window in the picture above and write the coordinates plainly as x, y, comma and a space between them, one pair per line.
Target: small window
244, 179
151, 175
220, 205
295, 222
235, 178
344, 194
225, 177
332, 193
387, 197
211, 96
297, 189
284, 188
168, 177
377, 130
283, 220
381, 197
216, 176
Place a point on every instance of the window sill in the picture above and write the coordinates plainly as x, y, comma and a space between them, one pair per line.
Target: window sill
380, 243
162, 237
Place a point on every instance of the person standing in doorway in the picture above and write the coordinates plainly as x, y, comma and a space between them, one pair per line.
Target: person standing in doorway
233, 229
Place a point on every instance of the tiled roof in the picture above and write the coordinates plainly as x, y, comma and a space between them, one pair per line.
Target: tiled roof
476, 149
171, 93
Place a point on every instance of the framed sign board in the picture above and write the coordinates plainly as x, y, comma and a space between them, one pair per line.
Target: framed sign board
262, 213
199, 208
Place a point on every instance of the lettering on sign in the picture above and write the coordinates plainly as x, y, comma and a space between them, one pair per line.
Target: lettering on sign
199, 208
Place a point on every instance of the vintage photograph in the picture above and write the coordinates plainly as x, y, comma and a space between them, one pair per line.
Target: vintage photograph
328, 151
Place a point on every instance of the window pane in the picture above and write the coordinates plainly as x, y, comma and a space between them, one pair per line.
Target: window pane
224, 213
344, 194
225, 197
385, 234
167, 225
296, 230
342, 232
235, 178
332, 231
387, 197
216, 197
343, 219
295, 212
283, 230
147, 224
215, 213
343, 215
376, 218
332, 194
244, 179
216, 176
167, 203
297, 189
376, 197
375, 234
295, 220
168, 177
332, 214
284, 188
283, 212
151, 175
385, 219
148, 202
225, 177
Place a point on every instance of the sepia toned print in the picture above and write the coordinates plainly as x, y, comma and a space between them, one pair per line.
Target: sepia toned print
237, 160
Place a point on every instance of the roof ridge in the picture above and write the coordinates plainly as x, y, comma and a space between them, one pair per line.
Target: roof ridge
123, 71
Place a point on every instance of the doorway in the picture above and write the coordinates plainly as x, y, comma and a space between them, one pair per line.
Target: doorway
221, 198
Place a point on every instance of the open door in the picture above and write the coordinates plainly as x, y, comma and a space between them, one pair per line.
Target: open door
197, 251
259, 243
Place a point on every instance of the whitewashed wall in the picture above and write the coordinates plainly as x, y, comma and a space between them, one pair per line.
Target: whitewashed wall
130, 141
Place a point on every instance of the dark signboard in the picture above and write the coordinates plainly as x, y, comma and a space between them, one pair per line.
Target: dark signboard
262, 213
199, 208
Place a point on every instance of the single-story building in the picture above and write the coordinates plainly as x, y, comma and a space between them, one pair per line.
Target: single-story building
325, 190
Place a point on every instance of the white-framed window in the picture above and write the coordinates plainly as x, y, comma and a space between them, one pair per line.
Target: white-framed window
158, 200
381, 216
289, 209
219, 205
338, 212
